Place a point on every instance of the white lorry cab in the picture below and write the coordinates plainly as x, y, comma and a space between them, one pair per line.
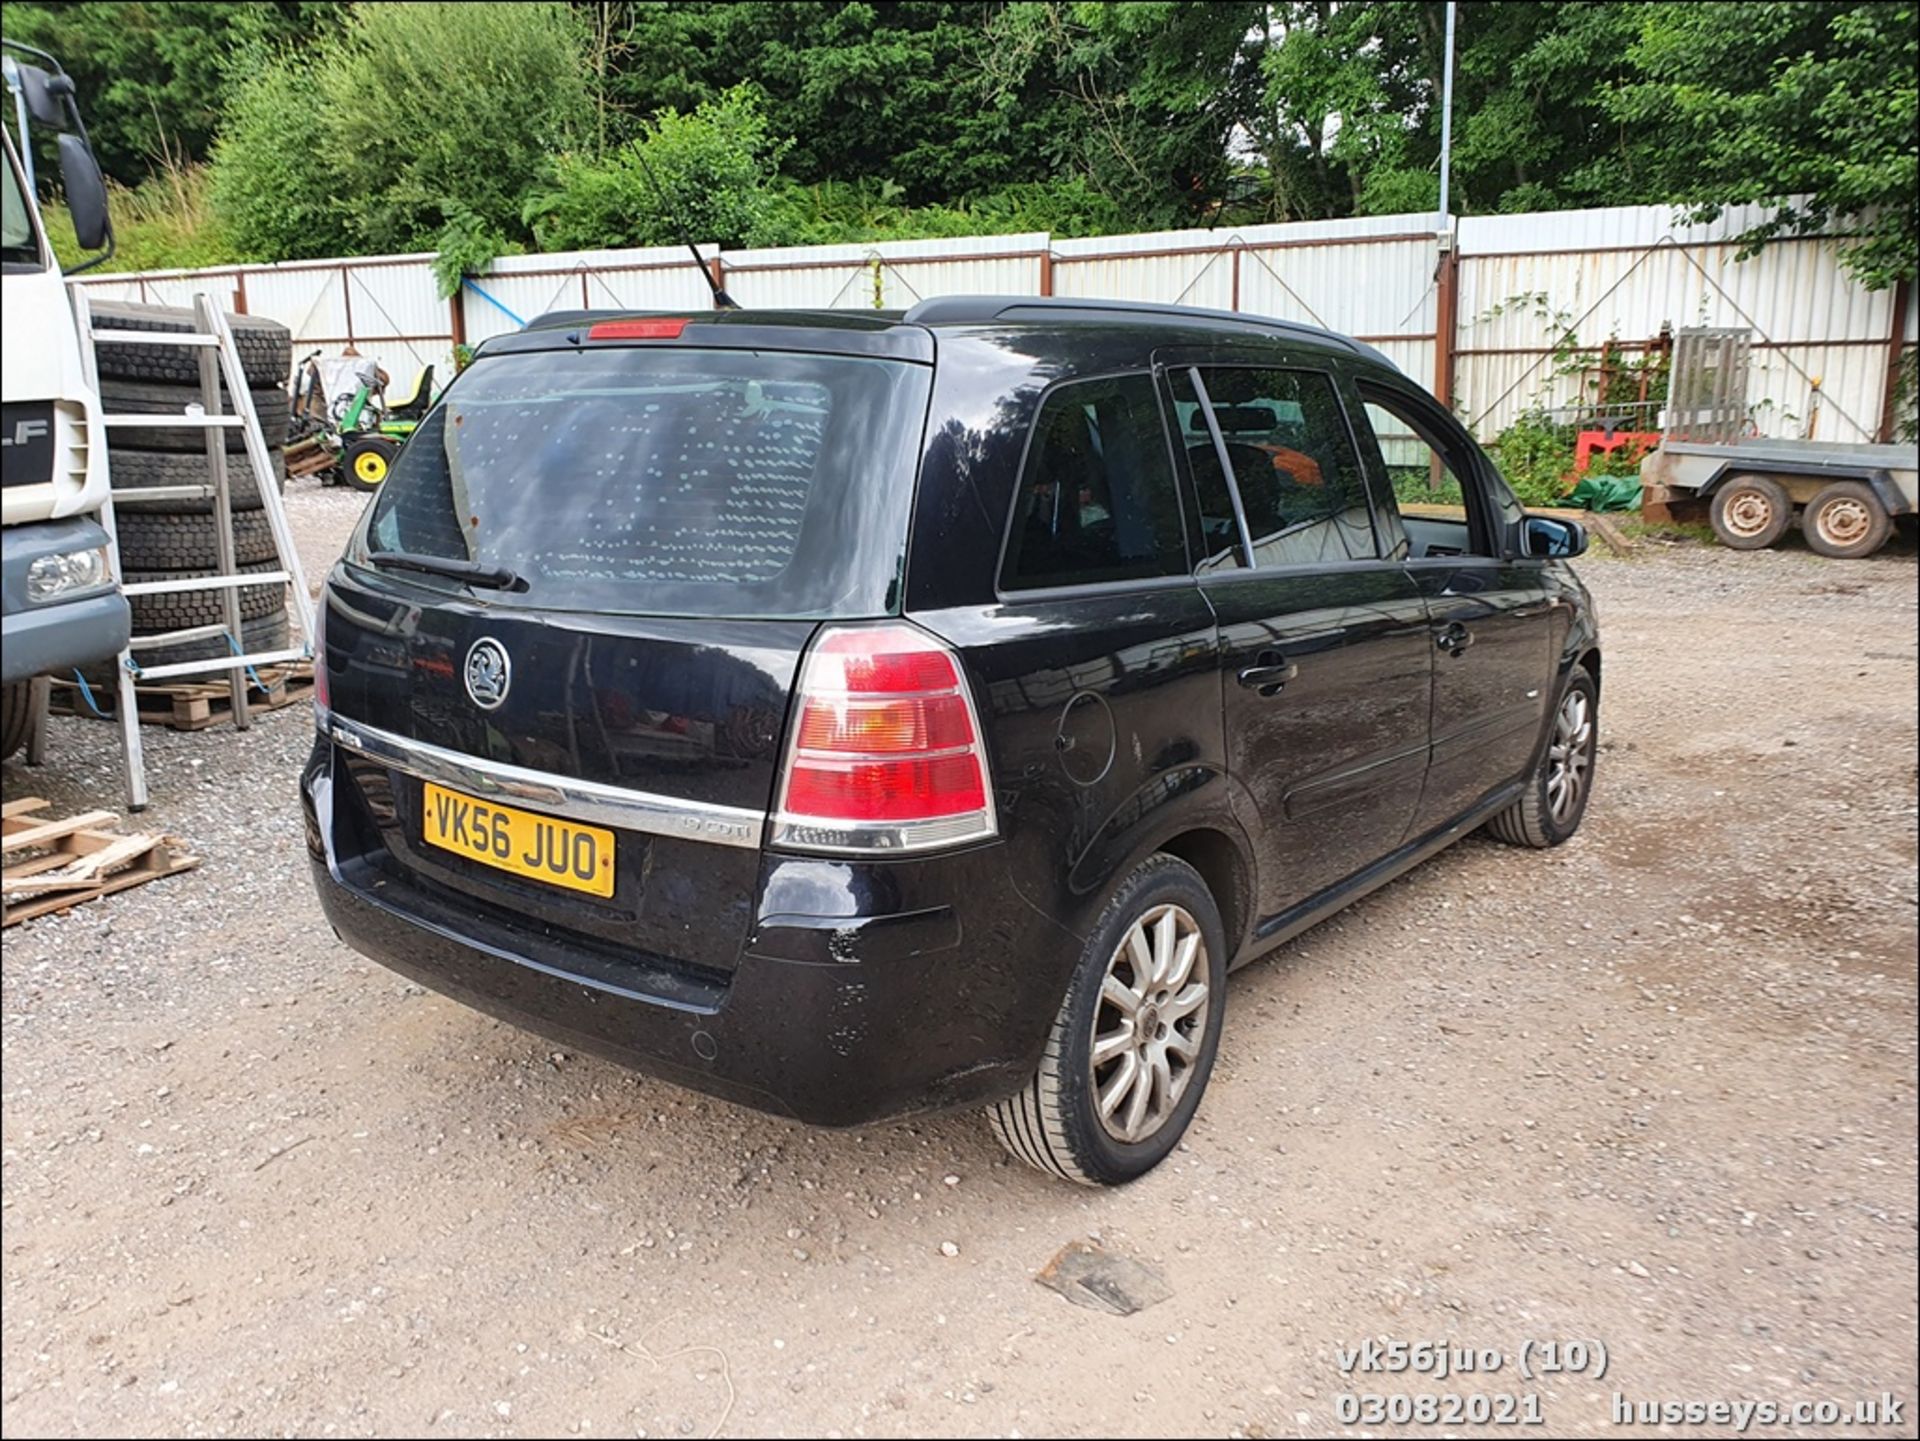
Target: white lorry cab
63, 606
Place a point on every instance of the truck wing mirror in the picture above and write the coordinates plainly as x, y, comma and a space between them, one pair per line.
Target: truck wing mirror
86, 192
46, 95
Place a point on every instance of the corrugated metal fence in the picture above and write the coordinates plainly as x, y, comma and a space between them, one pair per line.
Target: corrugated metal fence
1505, 314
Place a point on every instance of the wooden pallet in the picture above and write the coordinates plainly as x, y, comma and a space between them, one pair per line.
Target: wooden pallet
187, 705
53, 864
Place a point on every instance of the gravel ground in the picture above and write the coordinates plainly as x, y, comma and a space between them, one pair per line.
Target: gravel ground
1655, 1089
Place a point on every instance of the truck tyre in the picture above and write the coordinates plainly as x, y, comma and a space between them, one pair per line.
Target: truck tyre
127, 397
1550, 809
1751, 512
186, 542
135, 470
16, 716
1130, 1052
265, 346
1846, 521
153, 614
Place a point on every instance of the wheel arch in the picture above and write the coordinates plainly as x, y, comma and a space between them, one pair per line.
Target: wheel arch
1226, 872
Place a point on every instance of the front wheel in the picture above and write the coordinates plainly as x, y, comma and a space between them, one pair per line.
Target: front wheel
367, 461
1133, 1044
1751, 512
1549, 811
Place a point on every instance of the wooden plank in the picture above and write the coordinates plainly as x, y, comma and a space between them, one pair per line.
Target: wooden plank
40, 835
189, 705
23, 805
160, 862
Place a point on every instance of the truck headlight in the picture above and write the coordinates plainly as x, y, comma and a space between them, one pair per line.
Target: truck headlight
67, 573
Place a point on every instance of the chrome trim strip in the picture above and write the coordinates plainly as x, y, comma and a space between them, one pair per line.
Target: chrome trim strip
557, 795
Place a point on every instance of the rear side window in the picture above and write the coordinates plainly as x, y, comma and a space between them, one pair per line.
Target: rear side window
668, 481
1096, 500
1293, 464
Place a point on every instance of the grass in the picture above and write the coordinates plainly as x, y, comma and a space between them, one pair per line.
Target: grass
164, 223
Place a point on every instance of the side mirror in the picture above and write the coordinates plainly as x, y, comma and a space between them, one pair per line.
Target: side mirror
86, 192
1553, 539
45, 94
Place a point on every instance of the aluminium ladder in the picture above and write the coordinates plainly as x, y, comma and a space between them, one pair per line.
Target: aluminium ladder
219, 357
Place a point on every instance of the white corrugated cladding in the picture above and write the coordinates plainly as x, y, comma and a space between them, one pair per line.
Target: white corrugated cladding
1529, 281
1524, 280
887, 275
521, 288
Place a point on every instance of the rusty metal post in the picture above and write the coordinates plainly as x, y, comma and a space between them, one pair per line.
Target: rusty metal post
239, 292
717, 268
1896, 348
1446, 303
1234, 303
1046, 271
457, 313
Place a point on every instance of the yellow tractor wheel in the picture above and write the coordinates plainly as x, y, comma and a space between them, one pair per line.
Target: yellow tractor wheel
367, 462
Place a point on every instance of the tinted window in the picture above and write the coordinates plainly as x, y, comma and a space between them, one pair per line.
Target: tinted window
1293, 463
1438, 503
1097, 499
1219, 542
668, 481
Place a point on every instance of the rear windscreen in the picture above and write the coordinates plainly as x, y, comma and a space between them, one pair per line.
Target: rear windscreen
667, 481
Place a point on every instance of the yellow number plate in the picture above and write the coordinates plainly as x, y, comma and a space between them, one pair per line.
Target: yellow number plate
543, 848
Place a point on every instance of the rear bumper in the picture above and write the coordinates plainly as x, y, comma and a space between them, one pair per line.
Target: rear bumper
893, 1007
61, 634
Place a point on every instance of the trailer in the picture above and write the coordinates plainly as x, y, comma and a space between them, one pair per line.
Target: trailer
1846, 498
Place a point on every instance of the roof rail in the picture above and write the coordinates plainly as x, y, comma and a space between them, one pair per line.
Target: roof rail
962, 309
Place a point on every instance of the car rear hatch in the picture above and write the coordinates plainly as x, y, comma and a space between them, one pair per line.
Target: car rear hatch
578, 607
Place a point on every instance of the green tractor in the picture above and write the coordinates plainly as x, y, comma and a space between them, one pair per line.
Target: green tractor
352, 438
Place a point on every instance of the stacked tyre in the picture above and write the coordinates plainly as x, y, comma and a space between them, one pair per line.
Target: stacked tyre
173, 538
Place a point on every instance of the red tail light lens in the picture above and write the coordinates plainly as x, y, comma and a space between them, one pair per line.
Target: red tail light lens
886, 753
322, 691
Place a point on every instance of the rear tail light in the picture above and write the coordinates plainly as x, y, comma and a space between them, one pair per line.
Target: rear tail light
322, 691
885, 752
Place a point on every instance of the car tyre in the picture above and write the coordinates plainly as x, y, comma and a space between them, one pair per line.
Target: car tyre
1551, 808
1846, 521
1751, 512
1129, 1054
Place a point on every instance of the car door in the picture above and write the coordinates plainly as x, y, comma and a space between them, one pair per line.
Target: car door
1324, 650
1491, 611
1095, 666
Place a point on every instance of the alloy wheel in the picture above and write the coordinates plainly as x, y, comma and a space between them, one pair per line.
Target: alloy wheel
1149, 1023
1570, 756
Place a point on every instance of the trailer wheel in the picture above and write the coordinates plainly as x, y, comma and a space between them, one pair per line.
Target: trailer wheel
1751, 512
1846, 521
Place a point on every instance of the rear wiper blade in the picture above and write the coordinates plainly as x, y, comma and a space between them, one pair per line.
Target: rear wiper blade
490, 577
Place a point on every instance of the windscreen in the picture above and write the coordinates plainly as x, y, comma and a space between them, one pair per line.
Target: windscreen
18, 244
666, 481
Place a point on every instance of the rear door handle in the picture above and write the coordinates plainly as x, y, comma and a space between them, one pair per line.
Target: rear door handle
1269, 674
1454, 638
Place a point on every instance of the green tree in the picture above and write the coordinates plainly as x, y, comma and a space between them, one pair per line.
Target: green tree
1808, 108
432, 111
1140, 100
153, 76
273, 186
708, 175
867, 90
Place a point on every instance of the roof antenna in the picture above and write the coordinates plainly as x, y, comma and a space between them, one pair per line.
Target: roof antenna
721, 300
